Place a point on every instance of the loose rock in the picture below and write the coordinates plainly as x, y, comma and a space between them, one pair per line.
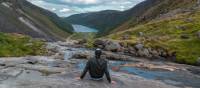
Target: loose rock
139, 46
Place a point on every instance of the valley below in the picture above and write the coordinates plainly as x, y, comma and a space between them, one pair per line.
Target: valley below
60, 68
80, 28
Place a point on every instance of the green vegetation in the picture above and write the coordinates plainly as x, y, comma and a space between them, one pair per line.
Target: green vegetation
177, 34
19, 45
157, 8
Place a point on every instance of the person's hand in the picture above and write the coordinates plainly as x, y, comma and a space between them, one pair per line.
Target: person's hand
113, 82
78, 78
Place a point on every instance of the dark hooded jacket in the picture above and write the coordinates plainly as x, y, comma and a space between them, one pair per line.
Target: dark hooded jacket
97, 68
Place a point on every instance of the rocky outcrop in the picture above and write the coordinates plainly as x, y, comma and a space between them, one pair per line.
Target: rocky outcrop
138, 50
112, 46
108, 45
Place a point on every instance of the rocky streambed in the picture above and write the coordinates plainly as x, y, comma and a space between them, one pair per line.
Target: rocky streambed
59, 69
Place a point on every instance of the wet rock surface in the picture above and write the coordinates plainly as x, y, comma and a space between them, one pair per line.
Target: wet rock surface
51, 72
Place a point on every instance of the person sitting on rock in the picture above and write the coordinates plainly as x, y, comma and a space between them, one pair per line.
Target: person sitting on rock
97, 67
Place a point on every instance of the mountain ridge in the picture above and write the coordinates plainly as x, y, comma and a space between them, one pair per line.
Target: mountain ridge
20, 16
117, 21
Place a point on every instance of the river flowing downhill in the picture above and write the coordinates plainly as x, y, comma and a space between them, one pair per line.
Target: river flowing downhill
181, 77
54, 72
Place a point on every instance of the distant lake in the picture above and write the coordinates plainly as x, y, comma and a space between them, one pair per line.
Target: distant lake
81, 28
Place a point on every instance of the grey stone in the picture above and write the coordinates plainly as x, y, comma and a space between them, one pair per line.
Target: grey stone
112, 46
100, 43
146, 53
32, 60
139, 46
141, 34
155, 53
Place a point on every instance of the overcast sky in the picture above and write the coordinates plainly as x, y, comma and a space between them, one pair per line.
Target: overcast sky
65, 8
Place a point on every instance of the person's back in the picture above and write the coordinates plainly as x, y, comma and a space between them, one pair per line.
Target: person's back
97, 67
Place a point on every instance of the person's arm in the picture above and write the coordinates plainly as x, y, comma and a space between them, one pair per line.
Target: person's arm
107, 73
85, 70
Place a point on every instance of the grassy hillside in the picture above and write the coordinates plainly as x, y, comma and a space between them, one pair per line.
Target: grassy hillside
19, 45
161, 7
176, 34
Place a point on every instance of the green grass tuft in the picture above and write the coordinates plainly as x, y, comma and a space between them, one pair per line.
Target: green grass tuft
15, 45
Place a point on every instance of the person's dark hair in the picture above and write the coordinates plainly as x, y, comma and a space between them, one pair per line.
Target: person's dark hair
98, 53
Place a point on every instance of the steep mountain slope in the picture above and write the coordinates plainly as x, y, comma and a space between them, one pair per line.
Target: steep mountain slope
107, 21
178, 33
20, 16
